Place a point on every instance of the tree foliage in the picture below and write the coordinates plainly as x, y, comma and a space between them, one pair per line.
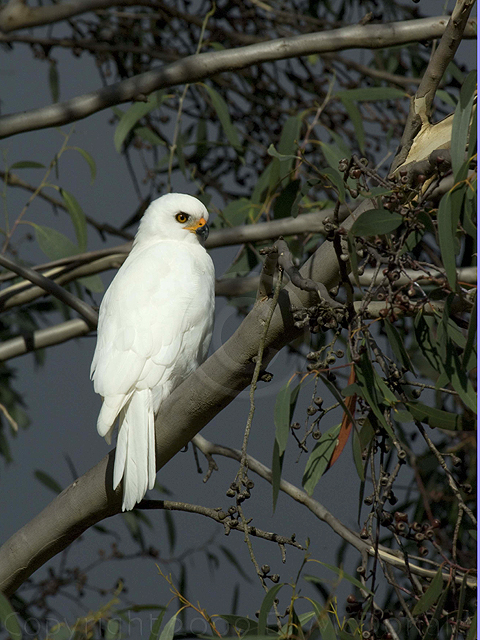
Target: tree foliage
368, 172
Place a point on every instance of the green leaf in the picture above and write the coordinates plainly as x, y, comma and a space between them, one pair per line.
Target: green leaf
156, 626
319, 459
336, 180
332, 154
78, 218
472, 632
283, 413
90, 161
283, 205
340, 573
357, 121
53, 243
92, 283
8, 618
283, 165
169, 629
431, 595
372, 94
240, 623
471, 335
397, 345
366, 379
279, 156
459, 378
461, 122
433, 629
338, 396
245, 261
277, 466
436, 418
150, 136
446, 239
237, 212
221, 108
376, 222
54, 82
27, 164
47, 481
267, 604
135, 113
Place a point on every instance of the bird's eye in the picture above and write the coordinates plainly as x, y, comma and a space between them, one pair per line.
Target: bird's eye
182, 217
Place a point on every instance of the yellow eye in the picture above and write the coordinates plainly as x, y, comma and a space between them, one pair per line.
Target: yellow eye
182, 217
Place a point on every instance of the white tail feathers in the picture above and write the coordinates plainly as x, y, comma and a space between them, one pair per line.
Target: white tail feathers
135, 454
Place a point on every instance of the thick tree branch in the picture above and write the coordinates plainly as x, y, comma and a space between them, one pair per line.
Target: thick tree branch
422, 103
199, 67
94, 262
189, 408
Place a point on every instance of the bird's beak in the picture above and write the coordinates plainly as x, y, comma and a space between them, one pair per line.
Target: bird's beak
200, 228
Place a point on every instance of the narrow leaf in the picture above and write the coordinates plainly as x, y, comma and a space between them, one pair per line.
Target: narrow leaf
436, 418
267, 604
397, 345
78, 218
446, 239
319, 458
90, 161
130, 118
461, 122
357, 121
431, 595
53, 243
27, 164
277, 465
283, 413
372, 94
169, 629
376, 222
347, 423
221, 108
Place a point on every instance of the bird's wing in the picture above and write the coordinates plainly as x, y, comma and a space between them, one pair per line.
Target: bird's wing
143, 319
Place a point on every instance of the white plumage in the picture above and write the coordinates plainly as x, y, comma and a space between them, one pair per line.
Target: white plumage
154, 329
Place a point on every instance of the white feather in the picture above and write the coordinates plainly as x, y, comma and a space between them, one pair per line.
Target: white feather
155, 326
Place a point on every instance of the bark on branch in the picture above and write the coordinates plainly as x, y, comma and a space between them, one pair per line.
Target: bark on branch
190, 407
204, 65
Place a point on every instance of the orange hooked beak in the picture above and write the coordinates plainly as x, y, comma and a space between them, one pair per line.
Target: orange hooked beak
200, 228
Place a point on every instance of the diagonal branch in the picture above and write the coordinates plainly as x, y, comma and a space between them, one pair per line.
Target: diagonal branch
204, 65
422, 103
188, 409
81, 307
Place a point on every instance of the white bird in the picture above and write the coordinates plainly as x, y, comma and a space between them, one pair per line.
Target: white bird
154, 329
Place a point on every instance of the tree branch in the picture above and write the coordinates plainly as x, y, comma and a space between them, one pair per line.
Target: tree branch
422, 103
199, 67
219, 516
187, 410
47, 285
389, 556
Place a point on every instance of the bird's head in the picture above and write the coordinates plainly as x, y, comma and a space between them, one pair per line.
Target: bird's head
175, 216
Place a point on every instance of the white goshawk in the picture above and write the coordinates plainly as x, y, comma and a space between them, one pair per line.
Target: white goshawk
154, 329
